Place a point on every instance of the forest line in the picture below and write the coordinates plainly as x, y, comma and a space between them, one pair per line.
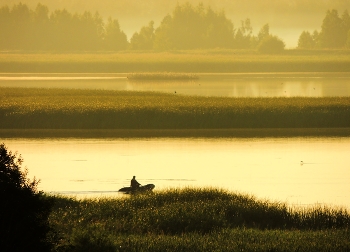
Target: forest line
188, 27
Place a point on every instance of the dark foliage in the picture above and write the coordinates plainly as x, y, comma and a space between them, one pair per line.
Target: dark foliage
24, 210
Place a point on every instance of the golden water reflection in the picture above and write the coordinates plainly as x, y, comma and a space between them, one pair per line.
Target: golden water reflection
292, 170
224, 85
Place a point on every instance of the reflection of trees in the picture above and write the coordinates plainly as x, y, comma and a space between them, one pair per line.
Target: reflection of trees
267, 87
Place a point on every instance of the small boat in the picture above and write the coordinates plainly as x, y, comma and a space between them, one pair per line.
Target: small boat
141, 189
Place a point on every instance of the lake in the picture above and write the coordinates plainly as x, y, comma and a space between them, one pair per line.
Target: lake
299, 171
229, 85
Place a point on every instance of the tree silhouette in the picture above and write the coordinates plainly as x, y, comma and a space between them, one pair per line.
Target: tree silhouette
306, 41
115, 38
24, 211
41, 28
264, 32
25, 29
345, 26
333, 34
187, 27
144, 39
193, 27
5, 27
271, 44
331, 30
243, 36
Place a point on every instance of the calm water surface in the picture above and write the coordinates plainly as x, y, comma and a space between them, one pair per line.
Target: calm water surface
229, 85
265, 167
293, 170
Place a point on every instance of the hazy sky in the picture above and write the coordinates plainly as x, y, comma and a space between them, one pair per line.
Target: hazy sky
287, 18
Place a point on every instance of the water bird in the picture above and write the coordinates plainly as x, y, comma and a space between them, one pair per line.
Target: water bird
301, 162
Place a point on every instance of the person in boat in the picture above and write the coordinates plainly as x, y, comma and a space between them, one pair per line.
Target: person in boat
134, 184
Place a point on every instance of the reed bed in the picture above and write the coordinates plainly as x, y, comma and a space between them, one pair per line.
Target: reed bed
197, 220
197, 61
31, 108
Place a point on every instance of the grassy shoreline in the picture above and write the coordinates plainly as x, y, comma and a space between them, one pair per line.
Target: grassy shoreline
175, 133
196, 61
188, 219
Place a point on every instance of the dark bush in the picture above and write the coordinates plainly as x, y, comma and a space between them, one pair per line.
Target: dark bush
24, 210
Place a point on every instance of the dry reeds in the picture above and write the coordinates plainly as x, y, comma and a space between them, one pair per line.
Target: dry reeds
30, 108
196, 220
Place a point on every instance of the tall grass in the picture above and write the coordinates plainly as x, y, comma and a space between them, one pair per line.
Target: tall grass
90, 109
221, 240
198, 219
197, 61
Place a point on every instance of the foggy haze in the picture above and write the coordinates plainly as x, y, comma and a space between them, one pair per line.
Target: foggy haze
287, 18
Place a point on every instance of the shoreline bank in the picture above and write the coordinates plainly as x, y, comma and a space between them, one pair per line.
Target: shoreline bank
175, 133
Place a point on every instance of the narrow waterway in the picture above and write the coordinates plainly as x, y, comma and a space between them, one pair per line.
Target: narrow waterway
226, 85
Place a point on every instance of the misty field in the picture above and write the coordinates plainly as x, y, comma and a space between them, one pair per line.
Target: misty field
195, 61
197, 220
32, 108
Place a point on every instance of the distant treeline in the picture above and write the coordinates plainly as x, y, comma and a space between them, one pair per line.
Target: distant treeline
187, 27
335, 33
24, 29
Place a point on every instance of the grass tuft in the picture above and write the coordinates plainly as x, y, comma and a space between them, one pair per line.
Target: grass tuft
197, 220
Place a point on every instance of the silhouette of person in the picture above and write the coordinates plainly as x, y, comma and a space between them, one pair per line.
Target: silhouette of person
134, 184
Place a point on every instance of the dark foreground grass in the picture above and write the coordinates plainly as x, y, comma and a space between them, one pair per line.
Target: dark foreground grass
32, 108
197, 220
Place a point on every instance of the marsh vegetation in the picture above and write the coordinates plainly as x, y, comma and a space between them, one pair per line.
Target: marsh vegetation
197, 220
30, 108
